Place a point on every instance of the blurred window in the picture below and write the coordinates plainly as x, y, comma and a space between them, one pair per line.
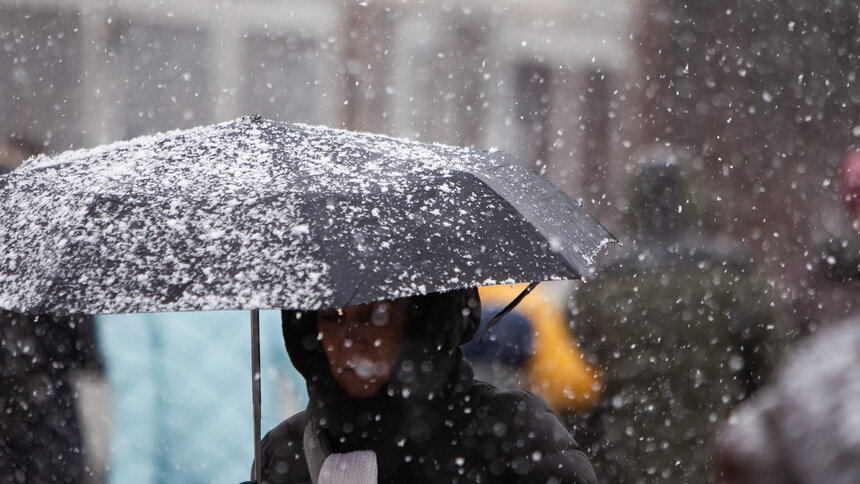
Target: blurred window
280, 78
595, 150
166, 71
533, 107
367, 44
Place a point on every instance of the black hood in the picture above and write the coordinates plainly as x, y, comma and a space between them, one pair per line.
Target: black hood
430, 369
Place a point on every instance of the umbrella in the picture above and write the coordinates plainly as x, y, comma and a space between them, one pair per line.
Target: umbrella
254, 214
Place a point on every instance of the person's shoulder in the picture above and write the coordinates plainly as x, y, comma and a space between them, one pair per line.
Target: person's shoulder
518, 409
532, 441
283, 451
292, 428
505, 400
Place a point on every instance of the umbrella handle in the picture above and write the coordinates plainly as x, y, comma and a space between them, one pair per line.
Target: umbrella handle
255, 384
510, 307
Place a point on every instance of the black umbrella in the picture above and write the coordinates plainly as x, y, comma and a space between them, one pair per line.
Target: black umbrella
253, 214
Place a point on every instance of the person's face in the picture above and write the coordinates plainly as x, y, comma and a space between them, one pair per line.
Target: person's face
362, 344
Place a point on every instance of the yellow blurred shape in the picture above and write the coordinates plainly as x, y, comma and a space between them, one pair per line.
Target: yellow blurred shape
557, 369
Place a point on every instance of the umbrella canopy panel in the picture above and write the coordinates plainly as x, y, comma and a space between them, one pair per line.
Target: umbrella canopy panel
255, 214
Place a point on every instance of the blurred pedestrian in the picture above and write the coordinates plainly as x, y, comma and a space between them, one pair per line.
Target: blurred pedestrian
831, 292
851, 184
46, 363
532, 348
180, 386
683, 330
804, 428
392, 399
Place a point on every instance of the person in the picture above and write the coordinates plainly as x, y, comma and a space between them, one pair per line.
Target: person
41, 437
47, 364
851, 184
831, 290
803, 428
682, 328
393, 399
181, 388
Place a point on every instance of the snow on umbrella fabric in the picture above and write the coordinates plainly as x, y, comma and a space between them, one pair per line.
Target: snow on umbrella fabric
254, 214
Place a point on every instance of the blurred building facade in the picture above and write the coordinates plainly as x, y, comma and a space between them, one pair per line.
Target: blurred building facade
540, 80
764, 97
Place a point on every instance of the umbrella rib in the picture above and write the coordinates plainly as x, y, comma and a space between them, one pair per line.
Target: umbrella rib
579, 261
357, 287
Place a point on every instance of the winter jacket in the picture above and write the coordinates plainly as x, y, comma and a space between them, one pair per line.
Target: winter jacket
431, 422
683, 329
680, 343
40, 434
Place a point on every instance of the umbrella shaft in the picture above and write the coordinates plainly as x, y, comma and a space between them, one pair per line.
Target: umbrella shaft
255, 380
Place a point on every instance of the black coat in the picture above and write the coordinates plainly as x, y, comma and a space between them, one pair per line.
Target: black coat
40, 436
431, 422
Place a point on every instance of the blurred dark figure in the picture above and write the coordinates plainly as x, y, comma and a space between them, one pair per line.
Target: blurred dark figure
683, 330
832, 291
851, 183
40, 435
805, 427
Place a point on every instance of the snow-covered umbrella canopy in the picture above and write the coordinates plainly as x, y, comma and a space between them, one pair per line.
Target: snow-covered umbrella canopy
254, 214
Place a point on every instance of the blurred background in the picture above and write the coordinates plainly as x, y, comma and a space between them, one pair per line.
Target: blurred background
762, 96
756, 105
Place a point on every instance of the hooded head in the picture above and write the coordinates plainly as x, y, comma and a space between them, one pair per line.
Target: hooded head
429, 365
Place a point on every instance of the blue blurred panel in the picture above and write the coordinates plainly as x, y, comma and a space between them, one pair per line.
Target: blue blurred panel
508, 343
181, 386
